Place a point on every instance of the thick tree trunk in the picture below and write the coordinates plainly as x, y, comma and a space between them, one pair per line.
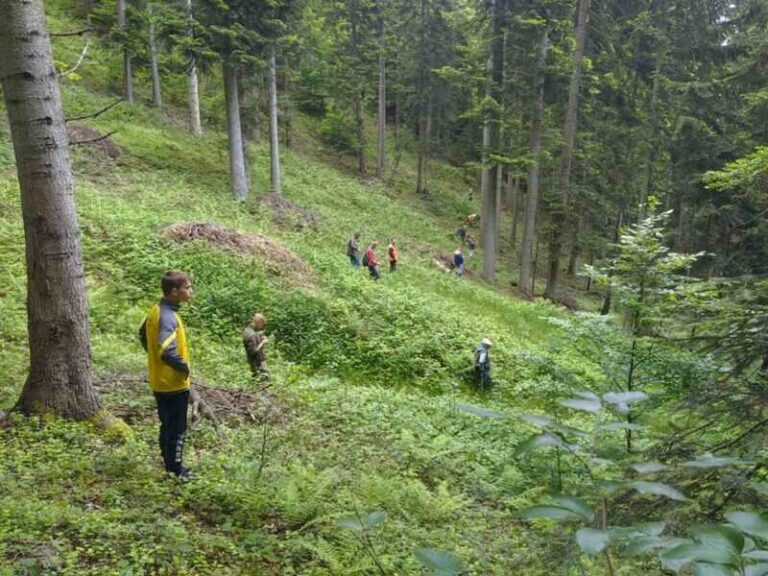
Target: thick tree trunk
423, 96
274, 144
380, 156
575, 249
122, 22
650, 158
488, 198
60, 374
193, 95
237, 175
286, 110
513, 194
157, 97
616, 233
527, 272
362, 164
559, 212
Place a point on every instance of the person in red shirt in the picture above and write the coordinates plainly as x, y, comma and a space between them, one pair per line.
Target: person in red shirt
393, 255
373, 262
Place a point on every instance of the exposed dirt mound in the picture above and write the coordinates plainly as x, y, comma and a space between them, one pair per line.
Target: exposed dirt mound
101, 144
289, 214
231, 407
278, 260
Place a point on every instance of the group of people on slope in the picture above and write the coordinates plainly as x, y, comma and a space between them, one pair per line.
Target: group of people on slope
369, 259
164, 338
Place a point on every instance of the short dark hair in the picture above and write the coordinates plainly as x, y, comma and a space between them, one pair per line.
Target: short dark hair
173, 279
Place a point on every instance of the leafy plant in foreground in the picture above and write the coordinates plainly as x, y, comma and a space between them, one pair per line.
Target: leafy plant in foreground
712, 549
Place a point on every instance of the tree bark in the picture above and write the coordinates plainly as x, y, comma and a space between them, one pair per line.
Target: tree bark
380, 157
362, 164
575, 249
60, 373
237, 175
193, 95
488, 193
157, 97
527, 273
559, 213
122, 22
616, 234
274, 141
513, 194
423, 95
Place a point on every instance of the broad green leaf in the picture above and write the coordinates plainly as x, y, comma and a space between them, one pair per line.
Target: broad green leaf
678, 556
659, 489
709, 461
587, 395
648, 467
756, 554
374, 519
552, 512
359, 524
565, 429
350, 523
756, 569
704, 569
722, 544
760, 487
536, 420
583, 404
538, 441
608, 487
749, 522
482, 412
575, 505
441, 563
621, 426
653, 528
625, 397
641, 544
592, 541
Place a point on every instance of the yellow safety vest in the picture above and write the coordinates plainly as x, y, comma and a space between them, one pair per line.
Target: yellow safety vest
162, 377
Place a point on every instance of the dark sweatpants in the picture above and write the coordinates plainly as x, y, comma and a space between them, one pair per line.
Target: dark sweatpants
172, 410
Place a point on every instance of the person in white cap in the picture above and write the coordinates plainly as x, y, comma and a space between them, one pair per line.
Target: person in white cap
483, 363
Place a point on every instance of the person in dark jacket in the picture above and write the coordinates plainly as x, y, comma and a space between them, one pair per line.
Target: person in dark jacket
482, 364
353, 251
458, 262
165, 340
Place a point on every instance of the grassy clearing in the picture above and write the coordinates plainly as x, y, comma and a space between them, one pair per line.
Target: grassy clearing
368, 375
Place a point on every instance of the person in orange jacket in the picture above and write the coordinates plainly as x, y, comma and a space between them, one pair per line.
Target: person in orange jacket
393, 255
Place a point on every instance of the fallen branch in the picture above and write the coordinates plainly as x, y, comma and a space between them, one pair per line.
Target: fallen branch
75, 33
95, 114
92, 140
201, 410
79, 60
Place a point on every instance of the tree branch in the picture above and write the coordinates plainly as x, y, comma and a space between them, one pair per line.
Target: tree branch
79, 60
75, 33
92, 140
95, 114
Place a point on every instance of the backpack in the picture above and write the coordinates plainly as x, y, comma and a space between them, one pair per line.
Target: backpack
365, 259
349, 248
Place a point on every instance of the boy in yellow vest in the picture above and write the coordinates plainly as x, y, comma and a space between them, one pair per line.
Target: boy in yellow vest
163, 337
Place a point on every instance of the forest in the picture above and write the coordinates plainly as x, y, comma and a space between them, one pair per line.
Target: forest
553, 359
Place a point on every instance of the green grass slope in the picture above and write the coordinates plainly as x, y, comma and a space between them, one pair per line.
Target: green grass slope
364, 414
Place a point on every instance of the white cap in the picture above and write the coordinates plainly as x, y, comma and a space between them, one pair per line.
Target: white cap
486, 342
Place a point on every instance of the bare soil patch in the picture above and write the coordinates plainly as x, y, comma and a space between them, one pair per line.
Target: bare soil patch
95, 141
290, 214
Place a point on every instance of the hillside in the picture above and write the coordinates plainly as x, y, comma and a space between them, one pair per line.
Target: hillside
368, 407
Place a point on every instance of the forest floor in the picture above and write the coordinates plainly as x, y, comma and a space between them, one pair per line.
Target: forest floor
369, 410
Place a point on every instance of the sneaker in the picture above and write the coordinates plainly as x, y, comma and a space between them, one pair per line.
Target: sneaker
184, 474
